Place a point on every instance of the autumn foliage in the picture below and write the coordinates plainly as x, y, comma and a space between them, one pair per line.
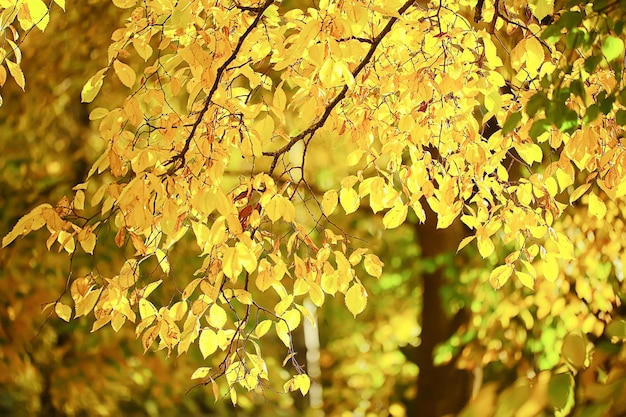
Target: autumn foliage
249, 153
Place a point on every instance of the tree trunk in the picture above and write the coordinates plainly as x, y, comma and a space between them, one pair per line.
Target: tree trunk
443, 389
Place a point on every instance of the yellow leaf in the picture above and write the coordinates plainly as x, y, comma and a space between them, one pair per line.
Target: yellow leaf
88, 242
316, 294
349, 200
331, 74
300, 382
500, 275
526, 279
541, 8
278, 207
163, 262
104, 320
124, 73
243, 296
207, 342
356, 299
117, 321
396, 216
491, 52
84, 306
304, 383
63, 311
17, 73
550, 268
60, 3
92, 88
530, 268
280, 99
265, 277
292, 317
283, 333
246, 256
190, 288
530, 152
485, 245
264, 125
373, 265
217, 316
216, 390
230, 264
283, 304
201, 372
262, 328
534, 56
565, 179
465, 242
329, 202
79, 200
578, 192
26, 224
146, 309
552, 186
354, 157
39, 14
330, 282
124, 4
178, 310
596, 206
66, 241
380, 195
151, 287
129, 273
566, 248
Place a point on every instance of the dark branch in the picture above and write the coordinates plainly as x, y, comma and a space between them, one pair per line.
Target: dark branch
355, 38
250, 9
329, 108
496, 14
218, 76
478, 12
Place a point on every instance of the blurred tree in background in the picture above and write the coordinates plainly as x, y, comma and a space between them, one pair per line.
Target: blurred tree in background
209, 173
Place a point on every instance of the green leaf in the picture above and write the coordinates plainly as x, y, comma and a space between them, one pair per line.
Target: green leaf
513, 397
600, 5
536, 102
592, 63
570, 19
511, 122
620, 117
606, 104
591, 114
574, 350
621, 97
577, 88
575, 38
612, 48
616, 329
569, 121
553, 32
539, 127
596, 410
561, 390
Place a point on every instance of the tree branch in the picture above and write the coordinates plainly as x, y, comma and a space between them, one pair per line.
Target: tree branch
329, 108
207, 101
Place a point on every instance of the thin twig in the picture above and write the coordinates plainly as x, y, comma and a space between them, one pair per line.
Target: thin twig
218, 76
308, 133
